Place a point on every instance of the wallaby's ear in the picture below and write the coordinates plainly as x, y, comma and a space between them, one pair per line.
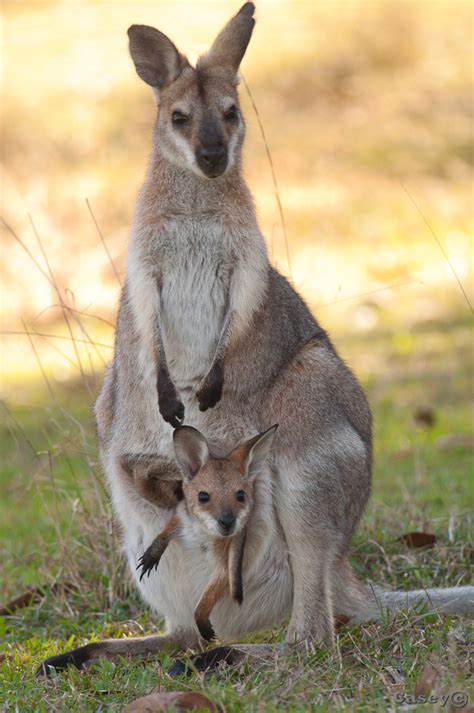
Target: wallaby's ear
191, 449
156, 59
252, 455
230, 44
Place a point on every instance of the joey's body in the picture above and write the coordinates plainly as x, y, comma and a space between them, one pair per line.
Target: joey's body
209, 331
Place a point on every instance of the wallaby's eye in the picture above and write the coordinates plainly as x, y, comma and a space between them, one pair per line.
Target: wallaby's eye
179, 118
203, 497
231, 113
240, 495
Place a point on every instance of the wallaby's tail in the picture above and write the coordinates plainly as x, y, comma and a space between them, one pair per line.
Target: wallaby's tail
368, 603
452, 600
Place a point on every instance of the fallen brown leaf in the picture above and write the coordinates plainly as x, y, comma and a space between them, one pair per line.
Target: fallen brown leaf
33, 594
417, 540
340, 621
175, 701
424, 417
426, 681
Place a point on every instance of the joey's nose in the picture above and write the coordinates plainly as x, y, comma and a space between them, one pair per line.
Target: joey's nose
212, 160
226, 522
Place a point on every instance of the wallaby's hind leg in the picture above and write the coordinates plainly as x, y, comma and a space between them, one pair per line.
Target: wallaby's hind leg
212, 594
112, 649
313, 548
311, 559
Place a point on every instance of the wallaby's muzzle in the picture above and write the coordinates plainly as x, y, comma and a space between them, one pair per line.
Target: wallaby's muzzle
212, 160
226, 522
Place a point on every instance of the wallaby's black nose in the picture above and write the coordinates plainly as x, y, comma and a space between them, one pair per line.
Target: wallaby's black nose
212, 160
226, 522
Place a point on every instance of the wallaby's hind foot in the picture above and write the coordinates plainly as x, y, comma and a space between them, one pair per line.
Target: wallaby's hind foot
114, 649
257, 654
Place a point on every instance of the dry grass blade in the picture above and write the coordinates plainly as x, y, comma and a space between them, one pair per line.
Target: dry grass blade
57, 336
440, 245
370, 292
40, 365
274, 178
102, 239
83, 312
27, 250
64, 307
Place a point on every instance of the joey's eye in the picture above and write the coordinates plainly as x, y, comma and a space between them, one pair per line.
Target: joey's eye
240, 495
231, 113
179, 118
203, 497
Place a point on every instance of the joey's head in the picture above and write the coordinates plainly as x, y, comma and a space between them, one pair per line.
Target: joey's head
199, 125
219, 492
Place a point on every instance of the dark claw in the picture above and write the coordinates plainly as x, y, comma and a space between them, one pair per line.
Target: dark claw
172, 412
206, 630
147, 563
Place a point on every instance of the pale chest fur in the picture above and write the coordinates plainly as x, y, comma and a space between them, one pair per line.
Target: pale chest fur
187, 273
194, 294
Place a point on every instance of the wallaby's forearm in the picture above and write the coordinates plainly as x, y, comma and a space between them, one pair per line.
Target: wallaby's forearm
169, 402
210, 389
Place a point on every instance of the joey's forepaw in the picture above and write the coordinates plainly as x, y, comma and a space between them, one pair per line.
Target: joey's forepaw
171, 407
210, 391
147, 563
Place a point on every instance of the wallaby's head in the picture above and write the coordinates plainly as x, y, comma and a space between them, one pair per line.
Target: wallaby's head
199, 125
219, 492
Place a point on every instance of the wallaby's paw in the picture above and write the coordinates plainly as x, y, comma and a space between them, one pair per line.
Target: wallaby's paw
171, 407
320, 633
205, 629
210, 390
147, 562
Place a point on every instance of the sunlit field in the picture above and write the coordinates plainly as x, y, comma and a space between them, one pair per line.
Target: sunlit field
359, 153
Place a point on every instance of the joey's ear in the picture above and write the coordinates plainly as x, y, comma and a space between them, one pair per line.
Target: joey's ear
230, 44
156, 59
191, 449
252, 455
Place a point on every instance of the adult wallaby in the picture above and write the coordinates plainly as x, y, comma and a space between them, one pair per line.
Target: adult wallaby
208, 322
221, 511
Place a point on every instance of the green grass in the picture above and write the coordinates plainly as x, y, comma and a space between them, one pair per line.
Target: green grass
56, 529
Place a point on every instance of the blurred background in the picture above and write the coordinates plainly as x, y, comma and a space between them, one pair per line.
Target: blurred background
366, 107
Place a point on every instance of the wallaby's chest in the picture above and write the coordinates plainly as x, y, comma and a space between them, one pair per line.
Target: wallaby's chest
196, 264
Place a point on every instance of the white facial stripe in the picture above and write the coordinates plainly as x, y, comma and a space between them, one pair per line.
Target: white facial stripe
232, 146
186, 151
